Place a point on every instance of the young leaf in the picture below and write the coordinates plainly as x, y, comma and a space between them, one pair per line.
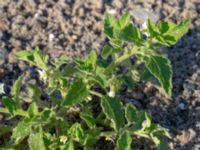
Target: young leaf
69, 145
131, 34
77, 93
112, 108
88, 118
26, 56
36, 141
9, 104
152, 29
91, 60
160, 67
41, 59
15, 91
131, 113
22, 130
32, 110
124, 141
124, 20
107, 50
109, 22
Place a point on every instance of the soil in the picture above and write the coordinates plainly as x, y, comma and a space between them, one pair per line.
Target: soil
74, 27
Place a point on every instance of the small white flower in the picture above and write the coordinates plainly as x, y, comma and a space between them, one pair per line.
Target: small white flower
2, 88
42, 74
145, 28
63, 139
51, 37
144, 25
111, 94
112, 11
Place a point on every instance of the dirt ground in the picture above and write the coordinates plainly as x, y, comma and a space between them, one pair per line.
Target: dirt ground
74, 27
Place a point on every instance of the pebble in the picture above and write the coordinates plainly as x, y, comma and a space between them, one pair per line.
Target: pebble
3, 55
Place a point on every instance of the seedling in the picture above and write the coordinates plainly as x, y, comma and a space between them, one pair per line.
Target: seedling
72, 86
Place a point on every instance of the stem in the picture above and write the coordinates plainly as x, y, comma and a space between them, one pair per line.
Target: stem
19, 112
119, 60
96, 94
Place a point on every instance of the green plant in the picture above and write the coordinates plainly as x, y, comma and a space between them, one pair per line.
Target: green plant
71, 88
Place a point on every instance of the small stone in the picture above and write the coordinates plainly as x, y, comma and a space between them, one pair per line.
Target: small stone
3, 55
181, 106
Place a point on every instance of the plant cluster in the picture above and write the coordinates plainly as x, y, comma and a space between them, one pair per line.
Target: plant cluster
131, 54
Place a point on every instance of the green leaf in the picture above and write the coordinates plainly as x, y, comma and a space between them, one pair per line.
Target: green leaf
15, 91
10, 105
112, 108
124, 141
160, 67
40, 59
109, 22
32, 110
131, 34
69, 145
77, 93
91, 60
124, 20
131, 113
34, 93
22, 130
107, 50
36, 141
26, 56
152, 29
89, 119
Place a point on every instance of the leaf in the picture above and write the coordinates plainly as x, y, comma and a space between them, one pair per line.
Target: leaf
124, 20
40, 59
2, 88
160, 67
124, 141
10, 105
107, 50
152, 29
131, 113
26, 56
91, 60
22, 130
77, 93
109, 22
36, 141
112, 108
15, 91
32, 110
88, 118
131, 34
69, 145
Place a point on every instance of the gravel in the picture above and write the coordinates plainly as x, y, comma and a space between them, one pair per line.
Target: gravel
74, 27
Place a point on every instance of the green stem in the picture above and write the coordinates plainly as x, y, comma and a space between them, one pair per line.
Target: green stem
96, 94
19, 112
119, 60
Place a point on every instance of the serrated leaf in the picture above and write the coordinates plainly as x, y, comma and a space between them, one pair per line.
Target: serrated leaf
36, 141
152, 29
160, 67
69, 145
124, 141
32, 110
107, 50
109, 22
40, 59
15, 91
9, 104
124, 20
131, 34
112, 108
77, 93
22, 130
88, 118
26, 56
91, 61
131, 113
